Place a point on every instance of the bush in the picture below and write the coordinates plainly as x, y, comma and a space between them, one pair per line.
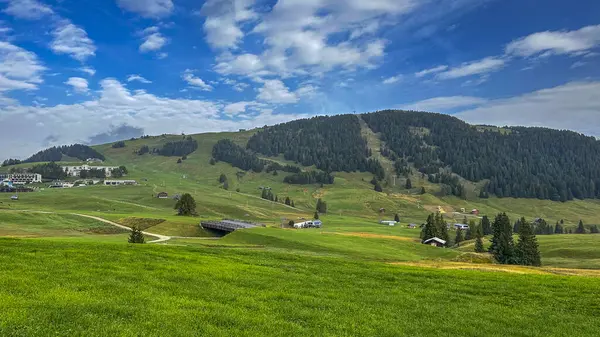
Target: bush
136, 235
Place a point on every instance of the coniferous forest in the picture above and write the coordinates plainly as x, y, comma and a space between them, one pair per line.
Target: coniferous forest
330, 143
229, 152
516, 162
56, 153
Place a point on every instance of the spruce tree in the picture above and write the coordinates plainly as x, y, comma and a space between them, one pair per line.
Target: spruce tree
580, 229
558, 229
293, 204
378, 187
397, 218
486, 226
459, 237
594, 229
470, 233
429, 230
527, 251
502, 247
442, 227
423, 190
517, 226
288, 201
408, 184
316, 216
136, 235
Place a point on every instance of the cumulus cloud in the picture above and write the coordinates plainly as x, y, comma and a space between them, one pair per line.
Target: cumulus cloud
443, 104
556, 43
26, 128
392, 80
153, 42
479, 67
28, 9
275, 91
79, 84
196, 82
88, 70
138, 78
19, 68
148, 8
223, 19
573, 106
73, 41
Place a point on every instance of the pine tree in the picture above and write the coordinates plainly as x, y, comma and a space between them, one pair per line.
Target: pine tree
186, 205
293, 204
316, 216
423, 190
378, 187
136, 235
580, 229
558, 229
226, 185
502, 247
397, 218
264, 194
442, 227
276, 199
222, 178
429, 230
288, 201
594, 229
486, 226
470, 233
408, 184
459, 237
527, 251
516, 226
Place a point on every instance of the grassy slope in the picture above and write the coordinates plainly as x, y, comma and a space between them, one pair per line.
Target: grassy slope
113, 289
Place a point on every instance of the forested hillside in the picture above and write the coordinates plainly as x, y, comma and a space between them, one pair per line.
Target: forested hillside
330, 143
518, 162
56, 153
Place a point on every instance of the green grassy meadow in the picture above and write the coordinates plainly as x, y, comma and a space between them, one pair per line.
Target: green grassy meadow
63, 274
98, 289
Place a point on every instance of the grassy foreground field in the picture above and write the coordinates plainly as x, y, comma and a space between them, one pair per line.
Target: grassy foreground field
98, 289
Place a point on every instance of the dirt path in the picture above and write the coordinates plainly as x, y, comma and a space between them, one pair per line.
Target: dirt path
160, 238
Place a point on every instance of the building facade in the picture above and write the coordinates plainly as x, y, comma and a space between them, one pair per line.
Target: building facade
21, 178
119, 182
75, 171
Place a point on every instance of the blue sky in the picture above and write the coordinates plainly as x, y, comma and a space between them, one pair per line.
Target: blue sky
99, 70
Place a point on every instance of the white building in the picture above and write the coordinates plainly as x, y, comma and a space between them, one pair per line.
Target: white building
119, 182
22, 178
388, 222
75, 171
309, 224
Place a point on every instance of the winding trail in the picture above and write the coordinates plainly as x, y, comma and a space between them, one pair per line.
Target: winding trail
160, 238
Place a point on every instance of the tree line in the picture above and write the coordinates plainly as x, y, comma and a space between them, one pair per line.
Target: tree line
311, 177
330, 143
518, 162
56, 153
229, 152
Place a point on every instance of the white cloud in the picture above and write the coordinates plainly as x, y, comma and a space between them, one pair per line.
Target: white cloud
79, 84
88, 70
148, 8
27, 129
237, 108
275, 91
244, 64
72, 40
393, 79
153, 42
138, 78
237, 86
19, 68
578, 64
222, 21
479, 67
431, 71
194, 81
573, 106
27, 9
443, 104
557, 42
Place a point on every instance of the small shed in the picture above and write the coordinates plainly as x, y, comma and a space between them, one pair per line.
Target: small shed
412, 226
387, 222
162, 195
436, 242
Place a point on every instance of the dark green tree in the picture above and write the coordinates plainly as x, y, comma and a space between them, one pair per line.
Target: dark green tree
212, 161
288, 201
459, 237
442, 227
293, 205
397, 217
594, 229
378, 187
408, 184
479, 240
502, 247
136, 235
429, 229
580, 229
527, 251
316, 216
226, 185
321, 206
485, 225
186, 205
222, 178
423, 190
558, 229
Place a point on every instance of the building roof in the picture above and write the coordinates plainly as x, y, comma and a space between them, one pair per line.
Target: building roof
436, 239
